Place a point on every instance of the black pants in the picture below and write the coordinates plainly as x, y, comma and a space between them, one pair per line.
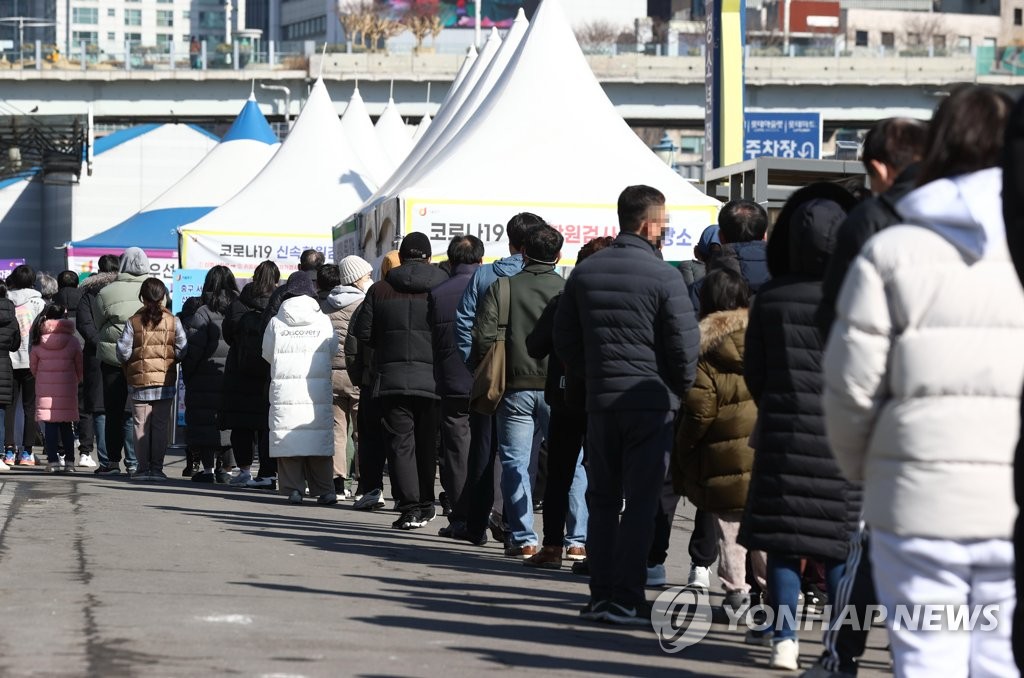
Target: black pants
86, 433
115, 399
478, 496
246, 441
844, 645
24, 388
455, 442
566, 432
626, 454
410, 426
703, 546
371, 453
663, 524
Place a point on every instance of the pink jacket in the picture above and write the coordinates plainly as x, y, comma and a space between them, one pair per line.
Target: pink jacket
56, 363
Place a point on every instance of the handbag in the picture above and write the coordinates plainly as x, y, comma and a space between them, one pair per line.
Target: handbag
489, 376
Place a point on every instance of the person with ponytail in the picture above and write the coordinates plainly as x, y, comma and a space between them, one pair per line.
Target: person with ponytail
152, 342
55, 360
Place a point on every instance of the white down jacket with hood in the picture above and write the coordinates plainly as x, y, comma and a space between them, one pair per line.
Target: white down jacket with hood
924, 366
299, 343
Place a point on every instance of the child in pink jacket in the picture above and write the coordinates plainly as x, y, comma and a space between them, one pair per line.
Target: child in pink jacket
55, 359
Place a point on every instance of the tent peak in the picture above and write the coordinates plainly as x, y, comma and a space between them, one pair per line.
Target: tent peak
521, 15
471, 52
252, 90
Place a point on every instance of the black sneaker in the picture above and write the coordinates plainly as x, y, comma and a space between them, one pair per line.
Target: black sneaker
595, 610
581, 567
446, 505
190, 470
221, 477
638, 614
428, 514
498, 531
108, 471
203, 477
409, 520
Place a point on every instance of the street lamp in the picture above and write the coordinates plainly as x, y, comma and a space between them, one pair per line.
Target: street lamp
666, 150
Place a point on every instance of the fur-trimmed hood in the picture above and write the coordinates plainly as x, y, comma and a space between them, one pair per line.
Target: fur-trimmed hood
98, 281
722, 339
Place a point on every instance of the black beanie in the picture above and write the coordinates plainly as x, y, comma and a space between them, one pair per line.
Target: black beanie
414, 246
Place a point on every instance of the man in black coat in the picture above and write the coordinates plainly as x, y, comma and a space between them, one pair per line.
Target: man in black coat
742, 225
1013, 215
92, 383
625, 322
892, 149
454, 380
393, 322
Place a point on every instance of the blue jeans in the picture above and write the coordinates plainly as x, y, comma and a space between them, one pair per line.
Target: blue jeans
784, 590
55, 433
517, 415
99, 425
576, 520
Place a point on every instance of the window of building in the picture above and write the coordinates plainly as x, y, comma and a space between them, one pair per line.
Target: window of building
85, 15
186, 15
111, 36
861, 39
963, 43
913, 39
939, 42
164, 17
111, 12
133, 38
888, 39
88, 37
163, 40
133, 17
164, 2
1018, 16
211, 19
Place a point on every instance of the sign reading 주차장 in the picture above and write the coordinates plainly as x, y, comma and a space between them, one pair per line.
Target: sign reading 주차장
782, 134
578, 224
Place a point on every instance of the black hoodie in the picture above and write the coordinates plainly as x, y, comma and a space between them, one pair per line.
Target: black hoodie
394, 321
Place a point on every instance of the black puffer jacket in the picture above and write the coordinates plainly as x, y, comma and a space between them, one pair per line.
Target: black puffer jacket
866, 219
92, 383
625, 321
246, 401
798, 504
454, 380
10, 340
560, 390
202, 368
393, 322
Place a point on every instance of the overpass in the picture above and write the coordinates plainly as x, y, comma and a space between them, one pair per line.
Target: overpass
647, 90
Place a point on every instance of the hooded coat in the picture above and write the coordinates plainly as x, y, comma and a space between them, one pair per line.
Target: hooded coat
56, 363
712, 458
483, 278
300, 344
924, 368
798, 504
202, 369
394, 323
28, 303
340, 305
10, 341
246, 399
119, 301
89, 330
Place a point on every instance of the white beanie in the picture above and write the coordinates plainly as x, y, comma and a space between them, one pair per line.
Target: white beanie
353, 268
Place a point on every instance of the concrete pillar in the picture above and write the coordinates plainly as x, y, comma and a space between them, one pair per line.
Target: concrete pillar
39, 55
58, 188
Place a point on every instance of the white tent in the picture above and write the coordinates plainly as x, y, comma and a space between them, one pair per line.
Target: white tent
421, 130
131, 167
393, 135
308, 186
362, 137
545, 104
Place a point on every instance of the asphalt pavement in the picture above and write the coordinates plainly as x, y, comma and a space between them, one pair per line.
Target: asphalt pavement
110, 577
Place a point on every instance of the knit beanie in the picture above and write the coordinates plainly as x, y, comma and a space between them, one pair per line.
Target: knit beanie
353, 268
414, 246
299, 284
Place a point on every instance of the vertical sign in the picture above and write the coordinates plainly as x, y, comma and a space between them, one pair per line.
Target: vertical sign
710, 84
723, 82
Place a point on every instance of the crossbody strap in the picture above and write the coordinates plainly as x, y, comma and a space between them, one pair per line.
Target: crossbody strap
504, 301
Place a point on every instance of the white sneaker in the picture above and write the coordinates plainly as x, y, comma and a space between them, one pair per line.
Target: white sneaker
656, 575
60, 462
371, 501
700, 577
241, 480
785, 655
86, 461
3, 466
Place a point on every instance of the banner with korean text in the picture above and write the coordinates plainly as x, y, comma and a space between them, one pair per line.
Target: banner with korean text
243, 252
579, 224
85, 261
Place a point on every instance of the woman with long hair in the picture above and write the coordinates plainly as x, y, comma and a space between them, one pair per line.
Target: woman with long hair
203, 372
245, 407
28, 303
152, 343
56, 363
923, 375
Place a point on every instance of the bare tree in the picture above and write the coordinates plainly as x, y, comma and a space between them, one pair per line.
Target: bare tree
597, 34
421, 18
356, 17
381, 26
929, 29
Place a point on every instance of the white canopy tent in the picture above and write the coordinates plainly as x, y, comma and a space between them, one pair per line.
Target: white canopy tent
313, 180
421, 129
362, 138
394, 137
546, 97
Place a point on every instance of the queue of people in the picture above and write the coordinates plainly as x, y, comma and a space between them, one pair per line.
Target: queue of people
803, 385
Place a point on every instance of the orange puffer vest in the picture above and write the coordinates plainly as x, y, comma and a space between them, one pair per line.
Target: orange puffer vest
152, 360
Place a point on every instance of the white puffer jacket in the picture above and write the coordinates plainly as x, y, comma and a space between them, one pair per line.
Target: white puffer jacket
299, 343
924, 366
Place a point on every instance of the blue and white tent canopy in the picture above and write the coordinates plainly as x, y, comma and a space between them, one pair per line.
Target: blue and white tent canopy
241, 154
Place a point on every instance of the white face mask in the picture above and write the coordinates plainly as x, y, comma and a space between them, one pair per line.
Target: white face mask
364, 283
